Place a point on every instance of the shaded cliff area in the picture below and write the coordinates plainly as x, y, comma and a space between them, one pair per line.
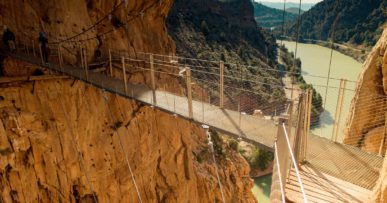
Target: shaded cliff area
64, 141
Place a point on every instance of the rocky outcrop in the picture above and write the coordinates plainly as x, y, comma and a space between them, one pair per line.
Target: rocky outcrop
64, 141
367, 118
61, 139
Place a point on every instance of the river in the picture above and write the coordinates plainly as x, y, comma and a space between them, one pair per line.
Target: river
315, 66
315, 62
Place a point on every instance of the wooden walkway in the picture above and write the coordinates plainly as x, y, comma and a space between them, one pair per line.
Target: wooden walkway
320, 187
340, 161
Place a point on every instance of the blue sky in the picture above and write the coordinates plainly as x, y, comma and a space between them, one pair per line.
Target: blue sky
294, 1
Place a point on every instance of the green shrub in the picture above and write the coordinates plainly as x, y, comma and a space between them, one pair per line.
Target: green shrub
233, 144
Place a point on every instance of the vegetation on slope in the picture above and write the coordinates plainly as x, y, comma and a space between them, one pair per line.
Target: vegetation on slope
270, 17
226, 30
280, 5
358, 22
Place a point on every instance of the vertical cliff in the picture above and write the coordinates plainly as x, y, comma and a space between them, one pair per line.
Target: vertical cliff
367, 118
64, 141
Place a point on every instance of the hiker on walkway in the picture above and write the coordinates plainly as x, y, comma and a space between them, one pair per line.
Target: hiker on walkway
43, 46
9, 39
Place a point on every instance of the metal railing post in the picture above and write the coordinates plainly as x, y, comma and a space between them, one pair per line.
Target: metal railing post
221, 85
337, 111
124, 75
81, 55
152, 74
341, 108
110, 63
282, 149
41, 53
59, 55
86, 65
189, 92
33, 48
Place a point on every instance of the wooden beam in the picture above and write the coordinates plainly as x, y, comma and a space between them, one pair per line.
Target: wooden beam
124, 74
221, 85
189, 92
152, 75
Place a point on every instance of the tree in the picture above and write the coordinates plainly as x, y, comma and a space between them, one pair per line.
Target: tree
204, 28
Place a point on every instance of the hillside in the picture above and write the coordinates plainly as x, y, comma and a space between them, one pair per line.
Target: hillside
270, 17
359, 22
294, 10
280, 5
226, 31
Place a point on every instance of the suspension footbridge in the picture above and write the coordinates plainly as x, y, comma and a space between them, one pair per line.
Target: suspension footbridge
322, 159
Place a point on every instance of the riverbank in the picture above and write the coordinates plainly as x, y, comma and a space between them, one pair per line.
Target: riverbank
358, 54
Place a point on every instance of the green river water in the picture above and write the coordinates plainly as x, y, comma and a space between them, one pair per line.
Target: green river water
315, 65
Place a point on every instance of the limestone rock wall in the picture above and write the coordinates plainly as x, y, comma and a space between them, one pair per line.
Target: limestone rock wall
60, 139
365, 124
363, 132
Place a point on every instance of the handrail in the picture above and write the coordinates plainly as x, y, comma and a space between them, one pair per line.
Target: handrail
294, 164
279, 172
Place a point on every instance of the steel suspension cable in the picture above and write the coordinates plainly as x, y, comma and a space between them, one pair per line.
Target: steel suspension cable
296, 48
283, 22
332, 44
92, 26
82, 165
122, 148
211, 145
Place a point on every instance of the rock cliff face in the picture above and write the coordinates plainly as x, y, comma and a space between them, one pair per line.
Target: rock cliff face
64, 141
366, 123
